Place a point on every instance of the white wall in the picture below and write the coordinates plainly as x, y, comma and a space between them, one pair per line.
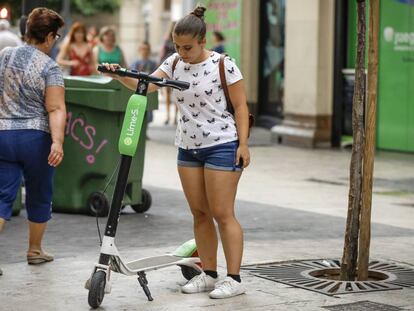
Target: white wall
309, 57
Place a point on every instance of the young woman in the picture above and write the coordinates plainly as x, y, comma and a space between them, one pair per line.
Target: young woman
212, 151
76, 53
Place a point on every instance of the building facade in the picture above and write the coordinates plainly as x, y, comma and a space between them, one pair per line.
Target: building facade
297, 59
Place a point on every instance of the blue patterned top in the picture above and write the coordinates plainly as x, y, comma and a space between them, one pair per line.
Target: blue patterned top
25, 73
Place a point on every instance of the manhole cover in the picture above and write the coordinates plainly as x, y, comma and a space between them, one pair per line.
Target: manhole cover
362, 306
307, 274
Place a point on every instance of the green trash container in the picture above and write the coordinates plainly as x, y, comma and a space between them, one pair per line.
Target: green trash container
95, 108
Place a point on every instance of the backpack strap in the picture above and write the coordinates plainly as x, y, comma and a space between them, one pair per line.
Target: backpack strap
174, 64
222, 71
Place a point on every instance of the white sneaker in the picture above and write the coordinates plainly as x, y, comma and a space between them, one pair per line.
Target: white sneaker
199, 284
227, 288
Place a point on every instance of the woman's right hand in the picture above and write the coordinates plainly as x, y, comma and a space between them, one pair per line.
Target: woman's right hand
111, 67
55, 155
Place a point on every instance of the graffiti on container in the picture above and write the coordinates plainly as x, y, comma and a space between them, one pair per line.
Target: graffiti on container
74, 127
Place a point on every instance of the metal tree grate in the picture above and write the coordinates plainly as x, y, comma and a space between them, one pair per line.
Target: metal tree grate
362, 306
303, 274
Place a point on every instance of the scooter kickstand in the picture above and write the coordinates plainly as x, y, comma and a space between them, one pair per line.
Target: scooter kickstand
142, 279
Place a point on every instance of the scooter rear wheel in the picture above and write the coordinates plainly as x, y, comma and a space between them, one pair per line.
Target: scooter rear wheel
97, 289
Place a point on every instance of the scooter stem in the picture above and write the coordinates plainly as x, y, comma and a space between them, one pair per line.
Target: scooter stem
116, 204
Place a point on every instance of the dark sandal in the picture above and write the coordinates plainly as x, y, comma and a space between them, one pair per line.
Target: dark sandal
39, 257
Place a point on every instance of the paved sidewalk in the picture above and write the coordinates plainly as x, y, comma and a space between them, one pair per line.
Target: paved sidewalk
291, 202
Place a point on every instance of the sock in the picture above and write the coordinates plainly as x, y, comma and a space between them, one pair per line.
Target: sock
211, 273
235, 277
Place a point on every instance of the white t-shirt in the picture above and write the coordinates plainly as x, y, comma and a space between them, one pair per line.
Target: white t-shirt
204, 119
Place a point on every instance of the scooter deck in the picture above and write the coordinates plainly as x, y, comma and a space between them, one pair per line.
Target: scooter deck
152, 262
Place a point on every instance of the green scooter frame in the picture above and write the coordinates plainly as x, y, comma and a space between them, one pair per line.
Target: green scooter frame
110, 259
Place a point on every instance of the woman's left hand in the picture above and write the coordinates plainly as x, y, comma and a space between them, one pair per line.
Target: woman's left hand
55, 155
243, 155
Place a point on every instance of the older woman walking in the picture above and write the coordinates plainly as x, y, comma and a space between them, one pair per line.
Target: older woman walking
32, 121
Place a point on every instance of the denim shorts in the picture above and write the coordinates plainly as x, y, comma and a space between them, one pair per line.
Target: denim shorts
219, 157
24, 153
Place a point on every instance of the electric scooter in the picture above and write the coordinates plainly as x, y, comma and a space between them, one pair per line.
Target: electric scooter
110, 260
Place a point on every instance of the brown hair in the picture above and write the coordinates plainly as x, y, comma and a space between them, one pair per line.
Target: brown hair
40, 23
219, 36
105, 30
192, 24
75, 28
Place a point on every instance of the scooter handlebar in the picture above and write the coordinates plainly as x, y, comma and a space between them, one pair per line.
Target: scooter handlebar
180, 85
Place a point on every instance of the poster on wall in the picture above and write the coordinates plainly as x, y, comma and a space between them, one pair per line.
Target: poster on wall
224, 16
396, 76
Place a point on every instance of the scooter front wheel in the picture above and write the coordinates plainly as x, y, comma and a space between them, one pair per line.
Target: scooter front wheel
97, 289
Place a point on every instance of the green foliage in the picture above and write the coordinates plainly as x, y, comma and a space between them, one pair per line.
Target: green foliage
91, 7
84, 7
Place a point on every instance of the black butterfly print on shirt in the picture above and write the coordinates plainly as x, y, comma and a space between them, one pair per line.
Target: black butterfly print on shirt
195, 115
195, 83
185, 119
217, 139
192, 105
196, 95
214, 81
185, 131
231, 70
202, 104
195, 75
209, 92
205, 134
218, 100
224, 116
187, 68
216, 61
193, 137
219, 87
198, 145
213, 110
180, 100
212, 120
206, 73
199, 125
205, 64
223, 128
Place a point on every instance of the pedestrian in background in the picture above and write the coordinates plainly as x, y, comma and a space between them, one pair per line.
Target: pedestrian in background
145, 64
7, 38
92, 36
107, 51
167, 50
76, 52
212, 150
32, 123
218, 41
